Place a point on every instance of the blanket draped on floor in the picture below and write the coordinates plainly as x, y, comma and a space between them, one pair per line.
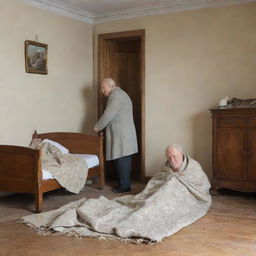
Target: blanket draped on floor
169, 202
70, 171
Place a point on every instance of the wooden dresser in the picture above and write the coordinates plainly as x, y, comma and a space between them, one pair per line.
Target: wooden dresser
234, 149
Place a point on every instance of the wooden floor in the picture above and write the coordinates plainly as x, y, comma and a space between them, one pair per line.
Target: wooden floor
229, 229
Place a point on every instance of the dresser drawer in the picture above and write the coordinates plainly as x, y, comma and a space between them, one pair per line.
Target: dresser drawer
233, 122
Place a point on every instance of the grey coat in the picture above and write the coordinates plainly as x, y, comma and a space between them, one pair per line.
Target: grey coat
121, 139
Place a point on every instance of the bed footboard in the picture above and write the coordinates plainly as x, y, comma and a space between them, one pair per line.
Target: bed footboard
20, 171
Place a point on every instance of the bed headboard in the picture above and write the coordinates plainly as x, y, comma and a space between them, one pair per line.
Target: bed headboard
77, 143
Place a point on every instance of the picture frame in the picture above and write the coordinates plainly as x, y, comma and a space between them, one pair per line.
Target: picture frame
36, 57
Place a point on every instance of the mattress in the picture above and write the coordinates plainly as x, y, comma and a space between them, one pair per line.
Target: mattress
91, 160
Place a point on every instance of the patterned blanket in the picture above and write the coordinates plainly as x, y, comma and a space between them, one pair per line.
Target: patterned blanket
70, 171
169, 202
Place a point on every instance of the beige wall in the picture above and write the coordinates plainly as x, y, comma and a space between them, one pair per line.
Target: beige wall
193, 59
63, 100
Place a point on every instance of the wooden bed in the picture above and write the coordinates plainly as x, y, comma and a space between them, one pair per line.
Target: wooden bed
21, 168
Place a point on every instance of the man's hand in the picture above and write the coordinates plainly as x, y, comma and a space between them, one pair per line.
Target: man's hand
96, 129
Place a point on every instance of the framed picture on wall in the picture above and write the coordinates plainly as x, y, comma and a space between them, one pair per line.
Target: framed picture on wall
36, 57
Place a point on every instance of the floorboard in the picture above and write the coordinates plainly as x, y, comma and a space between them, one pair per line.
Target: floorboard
229, 229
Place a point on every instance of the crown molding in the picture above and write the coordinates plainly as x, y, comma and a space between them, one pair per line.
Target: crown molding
161, 8
164, 8
63, 9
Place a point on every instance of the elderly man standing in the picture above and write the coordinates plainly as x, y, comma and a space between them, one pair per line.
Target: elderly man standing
121, 139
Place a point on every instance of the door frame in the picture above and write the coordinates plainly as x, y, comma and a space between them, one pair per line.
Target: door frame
103, 46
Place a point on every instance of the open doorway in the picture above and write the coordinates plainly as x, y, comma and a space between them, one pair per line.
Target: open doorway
122, 57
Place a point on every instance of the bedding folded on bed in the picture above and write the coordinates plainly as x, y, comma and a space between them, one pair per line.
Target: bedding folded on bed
69, 170
91, 160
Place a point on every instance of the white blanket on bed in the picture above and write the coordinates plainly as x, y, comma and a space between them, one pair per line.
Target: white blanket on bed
170, 201
70, 171
91, 160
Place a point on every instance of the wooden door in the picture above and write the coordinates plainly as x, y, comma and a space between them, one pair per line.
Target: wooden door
252, 154
121, 57
231, 154
125, 71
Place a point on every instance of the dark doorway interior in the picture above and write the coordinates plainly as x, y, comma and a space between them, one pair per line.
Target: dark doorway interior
121, 57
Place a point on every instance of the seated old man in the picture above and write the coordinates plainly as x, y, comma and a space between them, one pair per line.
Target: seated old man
175, 197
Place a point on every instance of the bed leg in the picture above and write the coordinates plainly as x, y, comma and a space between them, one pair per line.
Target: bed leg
101, 180
100, 184
39, 201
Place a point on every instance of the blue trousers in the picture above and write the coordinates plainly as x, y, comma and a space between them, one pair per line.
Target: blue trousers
123, 166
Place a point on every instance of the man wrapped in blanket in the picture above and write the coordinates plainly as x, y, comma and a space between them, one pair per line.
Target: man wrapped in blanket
175, 197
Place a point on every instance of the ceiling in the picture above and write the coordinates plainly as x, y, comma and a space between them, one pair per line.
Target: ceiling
97, 11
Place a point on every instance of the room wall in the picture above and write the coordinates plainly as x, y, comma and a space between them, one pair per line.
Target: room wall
193, 59
64, 99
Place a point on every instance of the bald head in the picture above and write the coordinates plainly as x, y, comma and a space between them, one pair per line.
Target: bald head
107, 85
174, 154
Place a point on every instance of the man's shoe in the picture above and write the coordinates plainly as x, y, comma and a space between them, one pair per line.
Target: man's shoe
121, 190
